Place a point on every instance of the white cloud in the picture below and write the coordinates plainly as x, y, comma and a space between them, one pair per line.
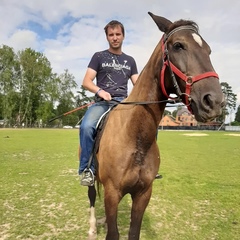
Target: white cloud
22, 39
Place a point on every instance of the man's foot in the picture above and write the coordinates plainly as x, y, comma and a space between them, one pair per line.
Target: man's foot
158, 176
87, 178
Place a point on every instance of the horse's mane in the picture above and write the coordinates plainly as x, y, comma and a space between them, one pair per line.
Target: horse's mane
183, 22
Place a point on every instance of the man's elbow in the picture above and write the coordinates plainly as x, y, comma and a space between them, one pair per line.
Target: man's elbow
84, 84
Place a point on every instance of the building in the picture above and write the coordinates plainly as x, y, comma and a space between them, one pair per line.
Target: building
168, 120
183, 118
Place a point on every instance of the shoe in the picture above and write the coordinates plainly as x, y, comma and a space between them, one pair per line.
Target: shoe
158, 176
87, 179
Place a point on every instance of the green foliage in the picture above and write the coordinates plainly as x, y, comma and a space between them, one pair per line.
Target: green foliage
38, 87
174, 113
237, 117
166, 112
30, 92
66, 100
9, 74
235, 123
230, 98
82, 99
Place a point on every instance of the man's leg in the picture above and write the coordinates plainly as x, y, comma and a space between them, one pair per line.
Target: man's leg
87, 138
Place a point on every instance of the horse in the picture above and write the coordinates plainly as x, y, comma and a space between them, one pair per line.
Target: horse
128, 157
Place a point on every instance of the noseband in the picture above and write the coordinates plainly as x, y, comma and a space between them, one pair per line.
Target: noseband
189, 80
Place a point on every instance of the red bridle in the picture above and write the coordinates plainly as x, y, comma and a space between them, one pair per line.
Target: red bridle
189, 80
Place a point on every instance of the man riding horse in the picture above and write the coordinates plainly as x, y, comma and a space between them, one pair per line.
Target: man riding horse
112, 69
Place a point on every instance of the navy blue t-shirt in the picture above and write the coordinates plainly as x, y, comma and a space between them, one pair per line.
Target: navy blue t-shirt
113, 71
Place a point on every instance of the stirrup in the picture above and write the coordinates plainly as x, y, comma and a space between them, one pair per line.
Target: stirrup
91, 172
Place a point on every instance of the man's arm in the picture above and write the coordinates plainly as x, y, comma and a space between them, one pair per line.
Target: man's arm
134, 78
88, 81
92, 87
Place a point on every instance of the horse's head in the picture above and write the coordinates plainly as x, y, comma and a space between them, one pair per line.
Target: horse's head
187, 63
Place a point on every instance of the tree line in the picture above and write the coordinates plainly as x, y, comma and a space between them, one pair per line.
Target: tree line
31, 93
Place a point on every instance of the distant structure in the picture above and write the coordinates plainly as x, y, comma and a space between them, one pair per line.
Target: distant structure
185, 119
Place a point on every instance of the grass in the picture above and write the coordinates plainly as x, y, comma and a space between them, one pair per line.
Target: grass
40, 196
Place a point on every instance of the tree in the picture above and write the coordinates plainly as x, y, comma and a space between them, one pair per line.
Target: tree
8, 82
237, 117
81, 100
36, 76
174, 113
30, 92
166, 112
66, 86
230, 99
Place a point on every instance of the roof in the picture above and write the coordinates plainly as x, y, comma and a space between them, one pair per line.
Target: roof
183, 111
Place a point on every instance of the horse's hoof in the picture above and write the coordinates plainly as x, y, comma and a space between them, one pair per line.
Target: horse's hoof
92, 235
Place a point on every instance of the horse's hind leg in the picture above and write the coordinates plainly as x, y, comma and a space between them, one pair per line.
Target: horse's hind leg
92, 233
139, 204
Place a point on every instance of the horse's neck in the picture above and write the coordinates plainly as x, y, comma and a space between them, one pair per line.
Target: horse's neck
147, 87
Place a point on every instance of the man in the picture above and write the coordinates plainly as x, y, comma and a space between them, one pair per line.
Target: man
112, 69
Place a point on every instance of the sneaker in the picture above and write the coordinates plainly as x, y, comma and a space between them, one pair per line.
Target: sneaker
87, 179
158, 176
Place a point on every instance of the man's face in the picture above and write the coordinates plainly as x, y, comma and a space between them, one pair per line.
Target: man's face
115, 37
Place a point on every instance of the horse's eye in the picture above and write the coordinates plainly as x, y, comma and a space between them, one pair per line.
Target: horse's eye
178, 46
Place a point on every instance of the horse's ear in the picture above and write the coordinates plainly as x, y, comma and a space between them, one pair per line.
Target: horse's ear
162, 23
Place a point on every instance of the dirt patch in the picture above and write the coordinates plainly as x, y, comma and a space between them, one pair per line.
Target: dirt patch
195, 134
234, 134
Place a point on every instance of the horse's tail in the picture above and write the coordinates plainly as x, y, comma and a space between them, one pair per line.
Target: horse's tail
99, 188
98, 184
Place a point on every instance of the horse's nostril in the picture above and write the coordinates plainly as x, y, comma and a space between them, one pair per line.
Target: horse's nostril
207, 100
210, 101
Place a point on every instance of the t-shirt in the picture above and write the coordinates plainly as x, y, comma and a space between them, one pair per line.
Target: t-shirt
113, 71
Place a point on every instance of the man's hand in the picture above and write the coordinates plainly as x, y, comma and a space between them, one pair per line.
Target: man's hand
105, 95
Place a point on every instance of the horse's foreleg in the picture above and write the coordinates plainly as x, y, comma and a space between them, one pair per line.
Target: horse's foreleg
139, 204
111, 200
92, 233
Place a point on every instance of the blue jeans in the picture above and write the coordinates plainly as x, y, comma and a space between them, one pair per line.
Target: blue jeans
87, 131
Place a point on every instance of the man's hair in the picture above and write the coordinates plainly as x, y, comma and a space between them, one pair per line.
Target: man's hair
113, 24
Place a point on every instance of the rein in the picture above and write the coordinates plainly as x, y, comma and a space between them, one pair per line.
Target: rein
172, 101
189, 80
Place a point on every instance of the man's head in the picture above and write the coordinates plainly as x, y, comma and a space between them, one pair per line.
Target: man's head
115, 35
113, 24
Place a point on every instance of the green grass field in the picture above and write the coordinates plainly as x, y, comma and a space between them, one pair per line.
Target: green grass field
197, 198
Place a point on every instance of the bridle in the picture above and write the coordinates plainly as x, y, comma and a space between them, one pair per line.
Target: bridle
189, 80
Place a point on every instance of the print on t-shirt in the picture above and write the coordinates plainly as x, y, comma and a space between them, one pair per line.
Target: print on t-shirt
113, 71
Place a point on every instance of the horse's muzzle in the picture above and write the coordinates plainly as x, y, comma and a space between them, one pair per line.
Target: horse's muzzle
208, 108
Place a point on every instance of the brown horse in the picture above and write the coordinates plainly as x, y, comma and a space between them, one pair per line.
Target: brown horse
128, 156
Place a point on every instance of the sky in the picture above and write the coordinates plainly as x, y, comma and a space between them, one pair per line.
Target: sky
68, 32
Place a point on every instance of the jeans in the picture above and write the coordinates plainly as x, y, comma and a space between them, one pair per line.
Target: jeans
88, 131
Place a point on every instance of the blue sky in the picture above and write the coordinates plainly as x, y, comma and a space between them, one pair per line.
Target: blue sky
68, 32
